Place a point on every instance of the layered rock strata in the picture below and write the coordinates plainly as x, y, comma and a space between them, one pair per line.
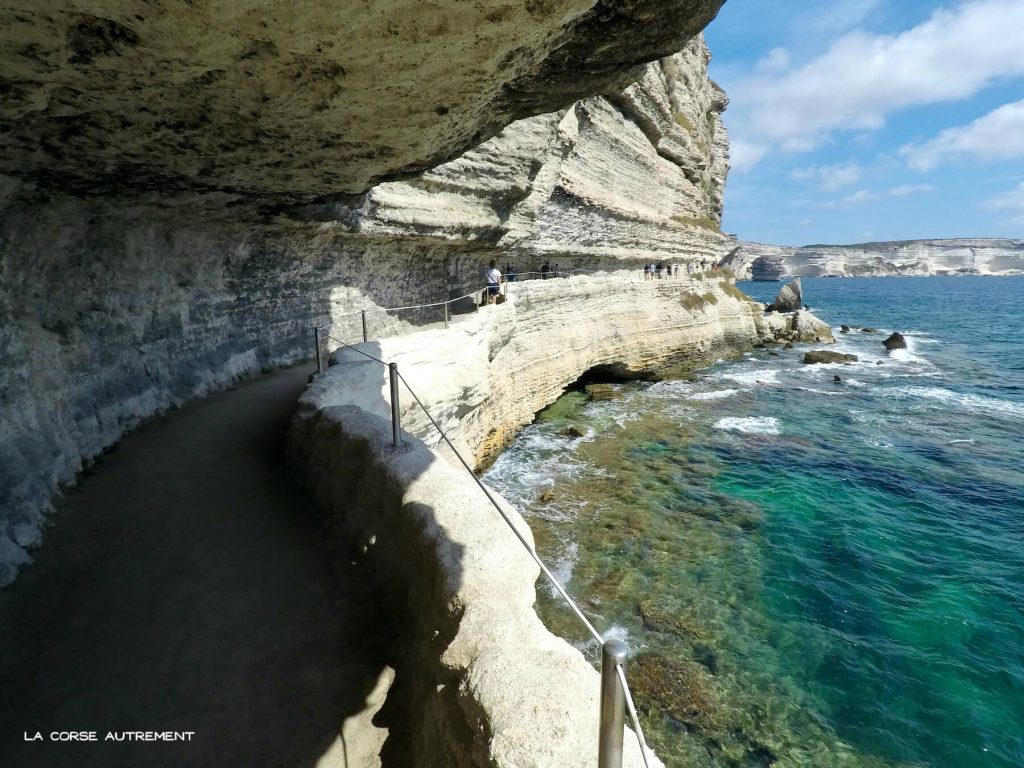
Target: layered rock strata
114, 309
480, 681
488, 374
483, 676
754, 261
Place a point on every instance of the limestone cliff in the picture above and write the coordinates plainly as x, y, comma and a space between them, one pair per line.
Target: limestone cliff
909, 257
114, 308
639, 175
293, 102
477, 657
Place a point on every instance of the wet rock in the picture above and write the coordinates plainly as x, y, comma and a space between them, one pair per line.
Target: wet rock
869, 330
790, 298
574, 431
895, 341
788, 345
827, 356
680, 690
546, 496
706, 656
837, 379
599, 392
844, 329
657, 619
806, 327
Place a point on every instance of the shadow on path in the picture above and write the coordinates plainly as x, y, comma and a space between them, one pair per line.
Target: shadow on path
187, 586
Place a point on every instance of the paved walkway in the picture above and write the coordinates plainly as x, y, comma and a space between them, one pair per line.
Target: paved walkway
186, 586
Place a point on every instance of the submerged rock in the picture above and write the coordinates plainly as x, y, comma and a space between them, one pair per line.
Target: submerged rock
574, 431
895, 341
598, 392
827, 356
869, 330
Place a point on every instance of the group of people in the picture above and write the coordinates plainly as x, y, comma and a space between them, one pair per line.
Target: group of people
658, 271
651, 272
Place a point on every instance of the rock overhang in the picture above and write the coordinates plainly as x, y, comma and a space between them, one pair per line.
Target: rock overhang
291, 103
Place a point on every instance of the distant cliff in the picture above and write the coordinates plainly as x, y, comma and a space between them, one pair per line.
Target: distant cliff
981, 256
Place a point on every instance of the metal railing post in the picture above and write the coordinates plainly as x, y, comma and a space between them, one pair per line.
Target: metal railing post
365, 336
319, 358
446, 314
613, 705
396, 420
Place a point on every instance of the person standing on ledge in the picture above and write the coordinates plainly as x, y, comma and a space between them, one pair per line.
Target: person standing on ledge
493, 282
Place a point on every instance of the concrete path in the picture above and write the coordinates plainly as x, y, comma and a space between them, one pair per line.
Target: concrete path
187, 586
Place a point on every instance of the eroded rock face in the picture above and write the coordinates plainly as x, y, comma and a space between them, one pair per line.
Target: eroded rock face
296, 102
980, 256
639, 174
790, 298
113, 309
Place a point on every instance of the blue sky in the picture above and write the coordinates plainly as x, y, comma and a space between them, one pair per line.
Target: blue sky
860, 120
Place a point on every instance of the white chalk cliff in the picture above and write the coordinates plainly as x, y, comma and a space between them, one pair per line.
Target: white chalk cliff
480, 656
980, 256
168, 227
113, 309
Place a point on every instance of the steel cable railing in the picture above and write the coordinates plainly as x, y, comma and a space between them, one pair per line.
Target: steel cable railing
510, 278
619, 668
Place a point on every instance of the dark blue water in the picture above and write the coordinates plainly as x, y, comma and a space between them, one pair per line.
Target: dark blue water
810, 572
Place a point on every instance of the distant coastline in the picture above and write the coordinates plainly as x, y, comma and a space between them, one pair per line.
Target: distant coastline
957, 256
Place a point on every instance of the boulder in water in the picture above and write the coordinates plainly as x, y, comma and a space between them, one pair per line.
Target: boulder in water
869, 330
844, 329
598, 392
895, 341
790, 298
574, 431
827, 356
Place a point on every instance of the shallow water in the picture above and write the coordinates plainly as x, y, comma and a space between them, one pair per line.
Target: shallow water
808, 572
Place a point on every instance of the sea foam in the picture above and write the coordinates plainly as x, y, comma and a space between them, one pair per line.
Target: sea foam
963, 400
716, 395
750, 425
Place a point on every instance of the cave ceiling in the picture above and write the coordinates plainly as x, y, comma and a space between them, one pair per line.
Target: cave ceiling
299, 100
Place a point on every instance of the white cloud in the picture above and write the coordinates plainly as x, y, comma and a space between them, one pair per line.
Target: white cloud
862, 77
860, 197
744, 155
1011, 202
835, 18
996, 136
905, 190
829, 177
776, 60
1008, 201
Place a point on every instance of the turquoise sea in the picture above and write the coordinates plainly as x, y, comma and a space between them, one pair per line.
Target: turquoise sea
808, 572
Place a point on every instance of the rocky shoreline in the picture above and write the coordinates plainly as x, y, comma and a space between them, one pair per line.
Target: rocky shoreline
459, 583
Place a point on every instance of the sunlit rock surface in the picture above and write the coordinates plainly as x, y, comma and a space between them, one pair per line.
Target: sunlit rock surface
115, 308
982, 256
